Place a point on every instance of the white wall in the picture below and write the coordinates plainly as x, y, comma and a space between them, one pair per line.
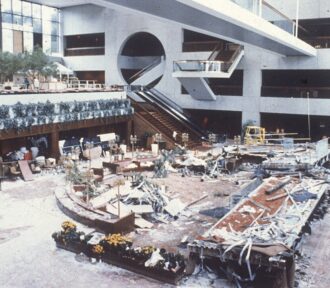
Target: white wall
83, 19
119, 26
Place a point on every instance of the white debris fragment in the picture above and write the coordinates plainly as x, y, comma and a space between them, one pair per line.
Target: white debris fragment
154, 259
174, 207
247, 209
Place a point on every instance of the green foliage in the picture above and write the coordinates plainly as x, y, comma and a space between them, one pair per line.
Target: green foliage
33, 65
76, 177
9, 65
37, 64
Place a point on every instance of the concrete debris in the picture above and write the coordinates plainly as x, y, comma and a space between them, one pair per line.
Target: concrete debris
174, 207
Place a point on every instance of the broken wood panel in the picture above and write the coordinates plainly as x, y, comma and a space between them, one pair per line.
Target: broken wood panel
25, 169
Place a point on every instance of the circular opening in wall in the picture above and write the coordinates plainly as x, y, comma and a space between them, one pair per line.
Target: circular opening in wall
142, 60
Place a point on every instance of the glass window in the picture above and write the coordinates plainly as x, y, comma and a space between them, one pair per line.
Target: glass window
27, 24
17, 7
28, 41
55, 15
46, 43
36, 10
27, 9
46, 27
17, 20
7, 18
6, 6
49, 13
7, 40
55, 44
55, 28
37, 26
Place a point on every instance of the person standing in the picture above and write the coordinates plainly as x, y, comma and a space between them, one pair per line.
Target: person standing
26, 83
36, 83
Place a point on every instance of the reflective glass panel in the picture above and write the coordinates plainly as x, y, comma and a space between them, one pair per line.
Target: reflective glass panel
36, 10
7, 40
6, 6
46, 27
55, 44
27, 9
17, 20
55, 28
7, 18
28, 41
17, 7
37, 26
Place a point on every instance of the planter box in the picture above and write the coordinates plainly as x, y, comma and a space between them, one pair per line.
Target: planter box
75, 247
139, 268
132, 265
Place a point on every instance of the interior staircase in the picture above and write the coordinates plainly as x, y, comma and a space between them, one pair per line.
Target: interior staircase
165, 119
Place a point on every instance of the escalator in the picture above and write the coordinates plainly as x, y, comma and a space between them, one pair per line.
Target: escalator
165, 116
149, 74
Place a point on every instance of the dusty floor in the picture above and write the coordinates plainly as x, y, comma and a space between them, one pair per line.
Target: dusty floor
29, 258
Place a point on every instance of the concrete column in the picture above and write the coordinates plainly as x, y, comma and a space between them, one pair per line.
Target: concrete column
54, 138
129, 131
251, 94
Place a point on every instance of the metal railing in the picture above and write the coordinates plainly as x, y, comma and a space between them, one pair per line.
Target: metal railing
56, 87
207, 65
270, 13
146, 69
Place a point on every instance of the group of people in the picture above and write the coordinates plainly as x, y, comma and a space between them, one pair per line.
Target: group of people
36, 83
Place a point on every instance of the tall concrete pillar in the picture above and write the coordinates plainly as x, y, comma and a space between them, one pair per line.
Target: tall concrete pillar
54, 138
251, 94
129, 131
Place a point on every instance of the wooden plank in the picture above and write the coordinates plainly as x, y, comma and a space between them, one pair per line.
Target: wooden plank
25, 169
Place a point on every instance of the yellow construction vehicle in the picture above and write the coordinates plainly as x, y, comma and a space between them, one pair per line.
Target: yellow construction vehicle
254, 135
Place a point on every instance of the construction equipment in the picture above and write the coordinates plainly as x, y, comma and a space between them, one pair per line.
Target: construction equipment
254, 135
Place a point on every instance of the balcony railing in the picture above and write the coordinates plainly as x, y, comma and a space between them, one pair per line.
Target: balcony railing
296, 92
22, 116
269, 13
85, 51
207, 65
60, 87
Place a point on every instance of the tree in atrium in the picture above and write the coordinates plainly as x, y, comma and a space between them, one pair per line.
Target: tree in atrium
37, 64
9, 65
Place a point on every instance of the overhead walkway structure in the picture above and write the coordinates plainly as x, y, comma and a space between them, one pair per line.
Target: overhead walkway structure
226, 19
194, 74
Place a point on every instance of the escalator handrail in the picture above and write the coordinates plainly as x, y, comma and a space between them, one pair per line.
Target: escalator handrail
181, 117
179, 112
168, 101
146, 69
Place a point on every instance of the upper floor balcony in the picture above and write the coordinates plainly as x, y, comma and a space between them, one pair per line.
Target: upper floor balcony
21, 112
228, 20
